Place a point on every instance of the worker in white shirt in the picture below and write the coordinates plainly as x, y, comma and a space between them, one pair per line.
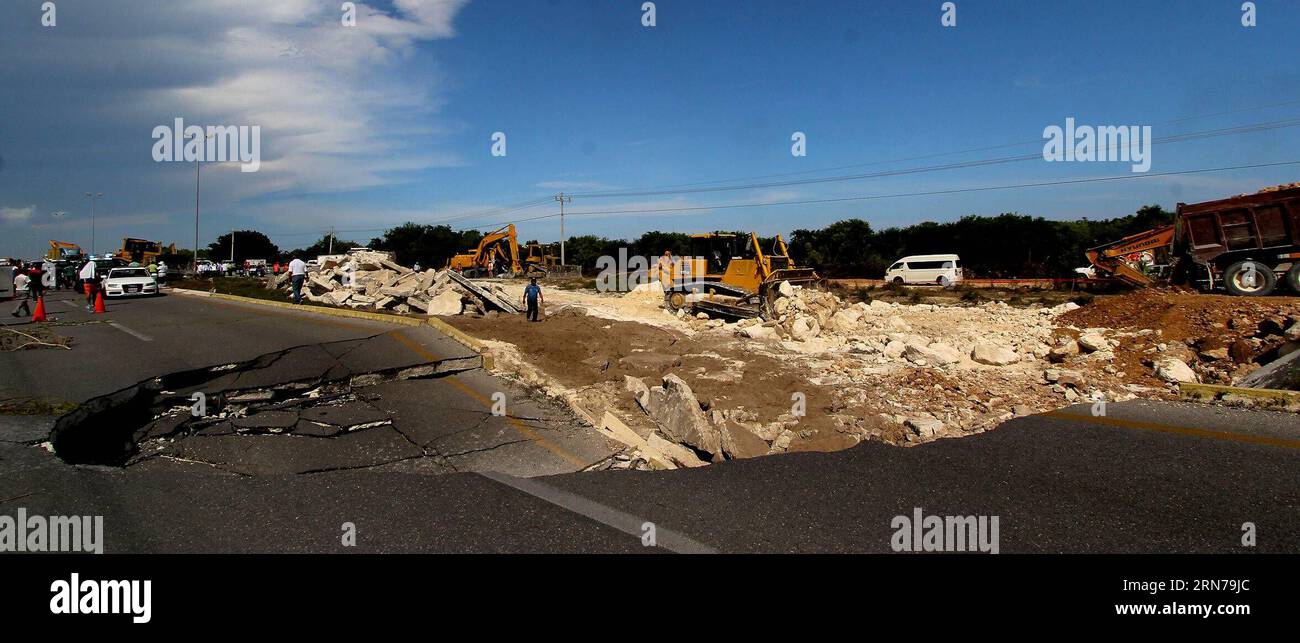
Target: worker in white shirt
89, 282
298, 273
21, 292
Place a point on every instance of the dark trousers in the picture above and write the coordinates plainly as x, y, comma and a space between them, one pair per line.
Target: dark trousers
532, 310
297, 288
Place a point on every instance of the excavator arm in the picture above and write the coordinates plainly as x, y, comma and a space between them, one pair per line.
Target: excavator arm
1109, 257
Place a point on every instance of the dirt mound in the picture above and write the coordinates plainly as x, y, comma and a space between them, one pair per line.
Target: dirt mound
1180, 314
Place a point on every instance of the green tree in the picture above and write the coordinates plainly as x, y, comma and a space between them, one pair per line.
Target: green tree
249, 244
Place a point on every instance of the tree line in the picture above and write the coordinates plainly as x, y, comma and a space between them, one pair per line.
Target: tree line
1006, 245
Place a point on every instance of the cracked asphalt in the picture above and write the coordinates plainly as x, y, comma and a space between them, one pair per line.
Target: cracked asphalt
1147, 477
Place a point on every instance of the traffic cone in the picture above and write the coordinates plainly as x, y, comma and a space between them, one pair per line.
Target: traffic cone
99, 301
38, 315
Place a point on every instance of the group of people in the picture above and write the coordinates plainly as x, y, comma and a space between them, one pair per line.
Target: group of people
32, 280
29, 285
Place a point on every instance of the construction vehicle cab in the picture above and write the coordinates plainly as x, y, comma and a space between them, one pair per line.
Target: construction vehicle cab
733, 273
143, 252
497, 254
543, 259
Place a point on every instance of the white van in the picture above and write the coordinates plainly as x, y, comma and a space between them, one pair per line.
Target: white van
944, 270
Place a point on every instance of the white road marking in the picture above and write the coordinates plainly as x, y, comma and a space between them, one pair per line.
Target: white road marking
624, 522
136, 334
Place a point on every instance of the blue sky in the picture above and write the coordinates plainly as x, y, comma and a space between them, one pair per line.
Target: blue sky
365, 127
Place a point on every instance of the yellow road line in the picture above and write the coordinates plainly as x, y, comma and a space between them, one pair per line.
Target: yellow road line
464, 388
1179, 430
306, 316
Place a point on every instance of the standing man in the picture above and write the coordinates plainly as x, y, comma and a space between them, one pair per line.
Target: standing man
36, 283
532, 296
162, 271
298, 273
88, 281
416, 267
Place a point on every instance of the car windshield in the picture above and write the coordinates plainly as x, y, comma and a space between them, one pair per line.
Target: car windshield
129, 272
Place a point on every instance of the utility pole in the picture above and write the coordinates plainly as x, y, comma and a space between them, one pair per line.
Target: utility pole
232, 245
562, 199
197, 164
331, 235
92, 218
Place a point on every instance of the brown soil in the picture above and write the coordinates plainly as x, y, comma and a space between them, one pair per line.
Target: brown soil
1198, 321
592, 354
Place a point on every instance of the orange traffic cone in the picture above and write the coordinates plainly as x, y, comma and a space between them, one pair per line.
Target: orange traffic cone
99, 301
38, 315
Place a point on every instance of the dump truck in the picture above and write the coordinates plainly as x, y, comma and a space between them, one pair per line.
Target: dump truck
142, 251
497, 254
1248, 245
736, 277
63, 251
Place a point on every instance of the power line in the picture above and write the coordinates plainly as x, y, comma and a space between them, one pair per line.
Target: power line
726, 206
938, 154
1176, 138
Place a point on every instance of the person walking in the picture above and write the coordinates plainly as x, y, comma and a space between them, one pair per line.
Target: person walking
89, 282
298, 274
162, 271
533, 296
22, 292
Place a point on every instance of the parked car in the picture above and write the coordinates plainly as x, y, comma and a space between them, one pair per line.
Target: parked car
123, 282
944, 270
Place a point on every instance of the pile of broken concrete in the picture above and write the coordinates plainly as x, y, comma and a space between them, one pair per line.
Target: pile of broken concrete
373, 281
685, 434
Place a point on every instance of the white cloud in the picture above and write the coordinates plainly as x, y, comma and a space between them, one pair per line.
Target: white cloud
17, 215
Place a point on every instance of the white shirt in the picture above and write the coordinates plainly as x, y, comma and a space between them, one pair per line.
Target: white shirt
297, 267
20, 282
88, 270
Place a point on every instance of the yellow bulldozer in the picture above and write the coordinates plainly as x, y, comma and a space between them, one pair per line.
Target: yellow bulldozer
735, 276
541, 260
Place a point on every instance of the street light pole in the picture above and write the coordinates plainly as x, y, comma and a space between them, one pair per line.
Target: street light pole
194, 266
92, 218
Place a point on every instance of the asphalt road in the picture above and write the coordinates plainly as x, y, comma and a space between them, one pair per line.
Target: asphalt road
1146, 477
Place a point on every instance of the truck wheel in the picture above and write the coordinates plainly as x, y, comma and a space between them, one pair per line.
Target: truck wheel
943, 281
1249, 279
1293, 278
898, 281
674, 300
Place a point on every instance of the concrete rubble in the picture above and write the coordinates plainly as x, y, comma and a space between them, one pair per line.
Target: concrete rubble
373, 281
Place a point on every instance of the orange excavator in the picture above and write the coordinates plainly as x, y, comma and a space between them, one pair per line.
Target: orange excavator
1116, 257
497, 254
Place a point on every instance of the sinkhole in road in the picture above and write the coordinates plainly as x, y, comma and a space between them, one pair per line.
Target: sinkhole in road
312, 391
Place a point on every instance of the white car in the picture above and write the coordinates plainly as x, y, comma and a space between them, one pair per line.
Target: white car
124, 282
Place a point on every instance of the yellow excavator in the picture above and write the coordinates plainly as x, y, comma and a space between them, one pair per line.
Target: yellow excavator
540, 260
737, 278
497, 255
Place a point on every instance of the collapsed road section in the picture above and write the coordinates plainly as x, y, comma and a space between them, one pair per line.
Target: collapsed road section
309, 409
